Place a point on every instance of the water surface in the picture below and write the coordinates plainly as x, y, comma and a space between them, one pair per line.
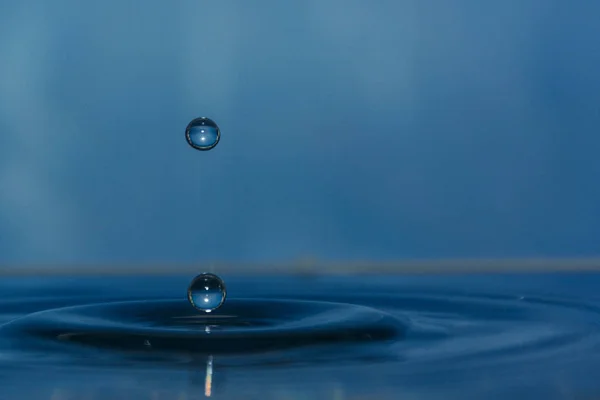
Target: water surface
313, 337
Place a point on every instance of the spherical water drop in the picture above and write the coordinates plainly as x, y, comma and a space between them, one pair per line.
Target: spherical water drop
207, 292
202, 134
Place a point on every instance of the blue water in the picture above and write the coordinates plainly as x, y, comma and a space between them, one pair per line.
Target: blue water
290, 337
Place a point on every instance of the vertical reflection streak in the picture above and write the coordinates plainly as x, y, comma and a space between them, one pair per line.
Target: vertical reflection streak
208, 379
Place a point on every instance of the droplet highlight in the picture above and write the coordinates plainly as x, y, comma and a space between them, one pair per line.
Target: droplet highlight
207, 292
202, 133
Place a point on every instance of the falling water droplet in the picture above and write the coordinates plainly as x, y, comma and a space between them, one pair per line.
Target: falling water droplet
207, 292
202, 134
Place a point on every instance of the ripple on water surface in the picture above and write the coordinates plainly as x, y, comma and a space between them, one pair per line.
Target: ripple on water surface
420, 332
171, 328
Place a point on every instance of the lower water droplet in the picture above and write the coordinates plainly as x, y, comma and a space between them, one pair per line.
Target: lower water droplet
207, 292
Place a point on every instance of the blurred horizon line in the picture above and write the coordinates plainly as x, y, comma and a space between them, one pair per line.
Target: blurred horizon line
314, 266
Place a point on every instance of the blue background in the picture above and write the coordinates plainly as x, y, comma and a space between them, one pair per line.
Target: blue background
376, 130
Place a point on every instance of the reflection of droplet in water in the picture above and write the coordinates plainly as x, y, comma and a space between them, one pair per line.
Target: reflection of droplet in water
207, 292
208, 379
202, 134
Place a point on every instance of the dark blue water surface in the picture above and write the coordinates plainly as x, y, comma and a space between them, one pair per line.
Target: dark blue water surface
290, 337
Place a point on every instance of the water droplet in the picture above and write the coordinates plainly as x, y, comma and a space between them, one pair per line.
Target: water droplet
202, 133
207, 292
